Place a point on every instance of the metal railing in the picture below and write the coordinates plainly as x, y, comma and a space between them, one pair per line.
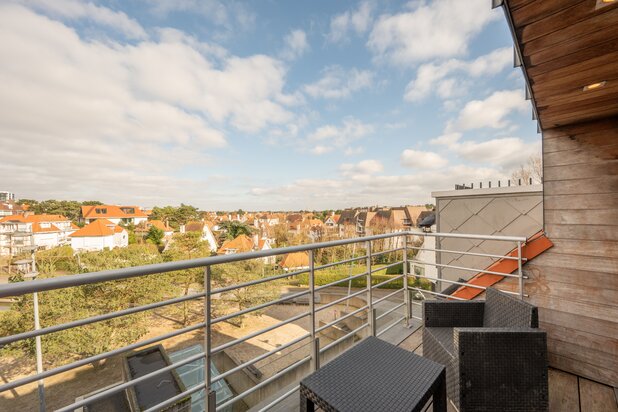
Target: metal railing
316, 353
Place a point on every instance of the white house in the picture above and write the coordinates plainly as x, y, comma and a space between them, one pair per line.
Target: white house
206, 228
115, 214
99, 235
41, 231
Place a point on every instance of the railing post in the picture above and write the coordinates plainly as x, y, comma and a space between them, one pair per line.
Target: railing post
519, 271
315, 343
370, 312
406, 291
211, 398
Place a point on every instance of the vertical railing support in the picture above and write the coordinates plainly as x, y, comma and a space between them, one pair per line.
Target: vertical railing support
37, 340
520, 272
371, 317
211, 398
406, 290
315, 343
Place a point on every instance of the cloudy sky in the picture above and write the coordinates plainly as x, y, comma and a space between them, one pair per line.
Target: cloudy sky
257, 105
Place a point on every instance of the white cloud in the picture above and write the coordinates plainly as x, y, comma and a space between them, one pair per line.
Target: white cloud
337, 83
439, 29
491, 112
113, 120
432, 76
504, 152
75, 9
364, 167
418, 159
357, 20
327, 138
295, 45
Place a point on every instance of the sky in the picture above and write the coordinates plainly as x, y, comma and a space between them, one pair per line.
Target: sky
269, 105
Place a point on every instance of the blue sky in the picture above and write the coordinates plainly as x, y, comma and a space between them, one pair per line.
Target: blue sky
257, 105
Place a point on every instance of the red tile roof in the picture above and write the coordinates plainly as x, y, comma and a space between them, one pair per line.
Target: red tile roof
111, 211
100, 227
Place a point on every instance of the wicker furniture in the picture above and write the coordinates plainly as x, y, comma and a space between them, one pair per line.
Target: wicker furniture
495, 357
375, 376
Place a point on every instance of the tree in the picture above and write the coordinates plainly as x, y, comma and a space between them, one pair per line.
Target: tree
155, 235
185, 246
231, 229
533, 169
175, 216
65, 305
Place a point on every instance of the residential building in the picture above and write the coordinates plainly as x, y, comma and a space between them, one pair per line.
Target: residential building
43, 231
7, 196
143, 228
9, 208
240, 244
115, 214
99, 235
295, 261
206, 228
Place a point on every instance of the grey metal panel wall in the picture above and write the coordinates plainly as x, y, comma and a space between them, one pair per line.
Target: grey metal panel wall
507, 214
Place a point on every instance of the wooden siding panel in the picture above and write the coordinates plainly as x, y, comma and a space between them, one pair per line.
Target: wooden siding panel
575, 284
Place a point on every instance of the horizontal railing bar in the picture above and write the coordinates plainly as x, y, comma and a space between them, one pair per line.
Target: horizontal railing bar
66, 281
457, 252
451, 281
340, 262
470, 236
416, 303
341, 281
334, 322
489, 272
60, 282
387, 281
258, 307
416, 317
383, 298
107, 392
436, 293
99, 318
264, 382
279, 399
344, 337
384, 252
257, 333
257, 282
259, 358
343, 299
392, 325
391, 310
96, 358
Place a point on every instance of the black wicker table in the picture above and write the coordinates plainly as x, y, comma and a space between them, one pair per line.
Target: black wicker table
375, 376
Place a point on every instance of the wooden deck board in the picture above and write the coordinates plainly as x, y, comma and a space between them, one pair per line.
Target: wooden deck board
567, 392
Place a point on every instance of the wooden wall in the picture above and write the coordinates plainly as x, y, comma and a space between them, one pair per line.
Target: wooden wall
575, 284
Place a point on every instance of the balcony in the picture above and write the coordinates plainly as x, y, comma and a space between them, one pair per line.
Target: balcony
257, 366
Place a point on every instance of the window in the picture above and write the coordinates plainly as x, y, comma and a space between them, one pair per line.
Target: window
101, 211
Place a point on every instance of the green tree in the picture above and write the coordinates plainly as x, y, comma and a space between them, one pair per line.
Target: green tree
185, 246
155, 235
65, 305
231, 229
175, 216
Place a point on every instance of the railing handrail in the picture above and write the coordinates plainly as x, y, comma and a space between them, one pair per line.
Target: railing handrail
67, 281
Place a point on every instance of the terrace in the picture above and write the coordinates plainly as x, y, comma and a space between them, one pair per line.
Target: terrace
568, 52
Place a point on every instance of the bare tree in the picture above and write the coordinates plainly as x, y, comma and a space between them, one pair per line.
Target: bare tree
533, 169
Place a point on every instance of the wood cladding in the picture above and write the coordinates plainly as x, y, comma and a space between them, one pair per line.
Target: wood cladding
575, 284
565, 46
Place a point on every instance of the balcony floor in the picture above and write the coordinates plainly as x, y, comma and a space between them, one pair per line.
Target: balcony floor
567, 392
